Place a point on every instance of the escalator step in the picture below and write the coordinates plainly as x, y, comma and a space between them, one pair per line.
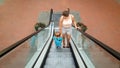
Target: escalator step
59, 58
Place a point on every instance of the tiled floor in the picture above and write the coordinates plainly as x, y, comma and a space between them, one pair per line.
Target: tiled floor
17, 18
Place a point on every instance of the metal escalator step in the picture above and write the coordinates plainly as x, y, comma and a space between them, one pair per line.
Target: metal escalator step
59, 66
60, 49
58, 55
59, 63
54, 61
59, 58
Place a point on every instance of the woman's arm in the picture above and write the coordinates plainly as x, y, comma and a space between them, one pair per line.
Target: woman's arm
73, 21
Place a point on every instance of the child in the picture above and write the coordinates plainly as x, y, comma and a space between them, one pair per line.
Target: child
58, 39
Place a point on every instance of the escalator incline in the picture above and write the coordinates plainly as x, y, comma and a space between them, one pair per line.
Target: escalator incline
59, 58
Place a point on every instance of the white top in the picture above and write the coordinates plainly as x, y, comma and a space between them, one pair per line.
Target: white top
67, 22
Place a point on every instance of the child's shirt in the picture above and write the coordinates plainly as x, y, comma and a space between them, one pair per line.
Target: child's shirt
58, 40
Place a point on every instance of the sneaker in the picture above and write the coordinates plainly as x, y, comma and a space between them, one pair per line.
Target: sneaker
67, 46
57, 46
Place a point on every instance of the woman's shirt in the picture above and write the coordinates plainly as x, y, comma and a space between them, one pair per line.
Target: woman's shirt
67, 22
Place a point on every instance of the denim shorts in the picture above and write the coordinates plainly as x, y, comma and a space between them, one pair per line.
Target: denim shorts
67, 30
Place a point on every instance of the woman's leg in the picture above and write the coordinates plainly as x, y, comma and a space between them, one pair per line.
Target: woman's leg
69, 36
63, 40
68, 40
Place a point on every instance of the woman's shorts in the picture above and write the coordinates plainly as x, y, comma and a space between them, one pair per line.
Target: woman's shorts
67, 30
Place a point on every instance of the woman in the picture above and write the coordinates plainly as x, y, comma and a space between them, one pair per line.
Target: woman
65, 25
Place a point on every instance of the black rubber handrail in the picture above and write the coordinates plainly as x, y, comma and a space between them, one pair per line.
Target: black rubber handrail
11, 47
104, 46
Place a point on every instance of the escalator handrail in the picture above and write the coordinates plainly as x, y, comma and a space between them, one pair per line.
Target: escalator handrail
36, 56
11, 47
78, 57
101, 44
42, 56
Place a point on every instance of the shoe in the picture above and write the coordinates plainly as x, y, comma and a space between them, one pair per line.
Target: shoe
57, 46
63, 46
67, 46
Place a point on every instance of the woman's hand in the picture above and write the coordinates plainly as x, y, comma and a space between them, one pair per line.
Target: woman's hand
78, 28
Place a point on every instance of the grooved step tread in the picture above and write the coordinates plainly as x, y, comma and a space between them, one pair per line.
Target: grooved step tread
59, 58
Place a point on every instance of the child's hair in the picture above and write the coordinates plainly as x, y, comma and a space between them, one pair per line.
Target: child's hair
57, 34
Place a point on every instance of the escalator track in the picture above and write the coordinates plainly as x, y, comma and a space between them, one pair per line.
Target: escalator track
59, 58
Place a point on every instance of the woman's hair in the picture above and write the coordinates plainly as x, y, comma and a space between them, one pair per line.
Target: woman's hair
65, 13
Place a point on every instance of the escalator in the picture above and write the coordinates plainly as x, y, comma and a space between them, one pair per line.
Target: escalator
59, 58
85, 53
51, 56
39, 51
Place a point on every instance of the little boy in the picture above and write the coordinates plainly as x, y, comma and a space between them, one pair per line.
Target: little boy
58, 39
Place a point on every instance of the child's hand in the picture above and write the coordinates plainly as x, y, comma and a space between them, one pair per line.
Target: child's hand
77, 27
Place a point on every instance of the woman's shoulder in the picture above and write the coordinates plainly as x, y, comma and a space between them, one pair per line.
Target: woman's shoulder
71, 15
61, 17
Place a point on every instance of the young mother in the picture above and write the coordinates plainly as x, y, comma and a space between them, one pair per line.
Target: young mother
65, 25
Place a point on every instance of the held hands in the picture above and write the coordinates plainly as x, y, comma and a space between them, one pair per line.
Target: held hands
60, 32
77, 27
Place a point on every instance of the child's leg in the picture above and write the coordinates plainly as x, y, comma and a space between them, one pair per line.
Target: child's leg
56, 44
